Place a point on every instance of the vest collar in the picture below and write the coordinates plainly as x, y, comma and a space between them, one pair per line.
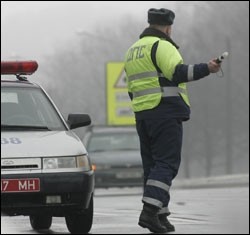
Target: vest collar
157, 33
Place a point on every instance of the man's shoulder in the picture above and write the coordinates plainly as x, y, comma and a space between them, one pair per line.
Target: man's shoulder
166, 44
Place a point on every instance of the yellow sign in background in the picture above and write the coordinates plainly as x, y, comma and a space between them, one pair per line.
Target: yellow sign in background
119, 111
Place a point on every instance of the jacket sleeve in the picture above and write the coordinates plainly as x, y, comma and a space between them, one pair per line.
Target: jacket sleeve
188, 73
171, 64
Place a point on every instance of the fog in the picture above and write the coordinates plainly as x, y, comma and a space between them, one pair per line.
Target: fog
73, 42
36, 28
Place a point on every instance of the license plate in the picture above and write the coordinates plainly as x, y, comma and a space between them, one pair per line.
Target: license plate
127, 175
20, 185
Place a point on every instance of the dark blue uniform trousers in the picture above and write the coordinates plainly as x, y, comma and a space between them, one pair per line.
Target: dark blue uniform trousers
160, 142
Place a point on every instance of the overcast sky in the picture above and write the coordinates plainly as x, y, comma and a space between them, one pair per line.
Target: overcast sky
35, 28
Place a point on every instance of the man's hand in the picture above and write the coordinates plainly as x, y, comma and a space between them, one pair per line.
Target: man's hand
213, 66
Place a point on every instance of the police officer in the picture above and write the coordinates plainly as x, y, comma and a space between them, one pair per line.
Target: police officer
156, 77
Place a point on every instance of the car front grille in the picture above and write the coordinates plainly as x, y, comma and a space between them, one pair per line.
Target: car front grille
20, 167
21, 164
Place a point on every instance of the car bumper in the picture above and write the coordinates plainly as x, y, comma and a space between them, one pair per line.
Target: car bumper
73, 189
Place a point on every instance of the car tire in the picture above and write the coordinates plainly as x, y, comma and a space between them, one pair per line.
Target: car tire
38, 222
81, 223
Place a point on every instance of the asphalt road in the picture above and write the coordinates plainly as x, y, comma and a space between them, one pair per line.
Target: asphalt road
194, 211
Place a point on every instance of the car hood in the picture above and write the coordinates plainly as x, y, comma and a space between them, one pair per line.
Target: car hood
42, 143
116, 158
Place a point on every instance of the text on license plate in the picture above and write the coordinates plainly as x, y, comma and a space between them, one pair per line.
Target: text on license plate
20, 185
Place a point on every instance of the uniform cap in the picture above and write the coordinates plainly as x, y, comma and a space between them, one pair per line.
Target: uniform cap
160, 16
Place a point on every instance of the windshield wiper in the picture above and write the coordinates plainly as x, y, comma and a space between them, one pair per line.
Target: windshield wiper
22, 127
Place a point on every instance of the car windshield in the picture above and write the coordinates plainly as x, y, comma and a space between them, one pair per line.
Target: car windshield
113, 142
29, 108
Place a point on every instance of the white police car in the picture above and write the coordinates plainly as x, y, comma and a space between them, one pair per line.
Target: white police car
45, 169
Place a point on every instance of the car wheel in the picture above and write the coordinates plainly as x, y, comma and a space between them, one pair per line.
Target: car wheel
40, 221
80, 223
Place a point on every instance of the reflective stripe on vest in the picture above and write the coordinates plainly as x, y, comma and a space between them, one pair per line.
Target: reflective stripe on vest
166, 91
145, 75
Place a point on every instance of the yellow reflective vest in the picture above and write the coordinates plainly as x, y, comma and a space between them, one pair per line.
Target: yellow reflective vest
143, 78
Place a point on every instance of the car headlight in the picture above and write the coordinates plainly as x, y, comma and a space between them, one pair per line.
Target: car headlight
81, 162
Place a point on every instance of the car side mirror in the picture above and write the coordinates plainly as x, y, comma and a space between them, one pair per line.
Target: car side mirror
78, 120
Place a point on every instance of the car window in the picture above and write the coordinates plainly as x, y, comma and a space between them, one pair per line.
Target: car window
113, 142
23, 106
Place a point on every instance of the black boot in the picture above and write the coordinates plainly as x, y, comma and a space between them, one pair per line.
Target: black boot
165, 222
149, 219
